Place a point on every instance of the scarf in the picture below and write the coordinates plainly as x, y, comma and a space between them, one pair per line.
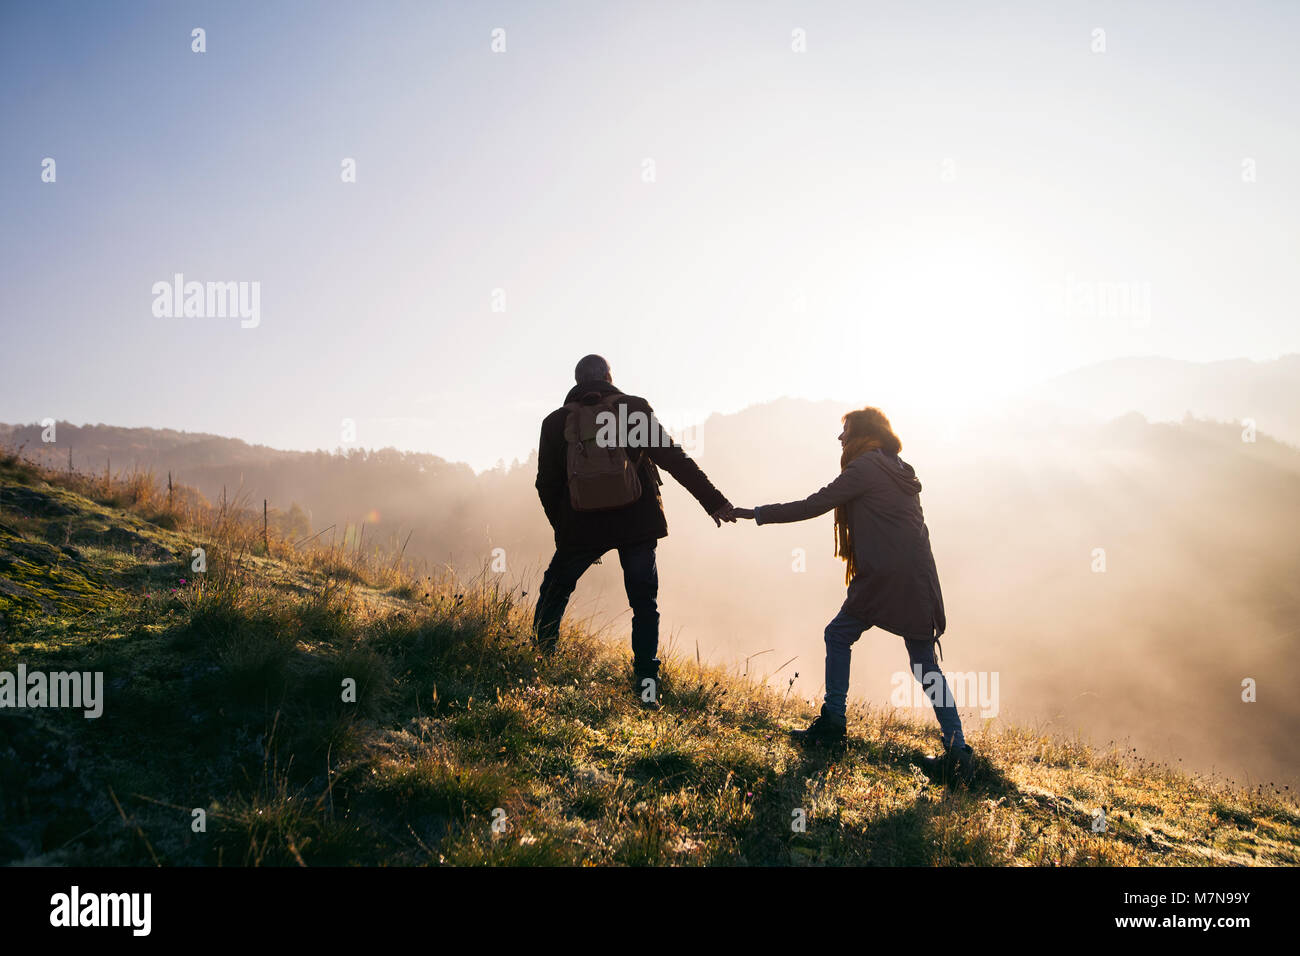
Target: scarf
854, 448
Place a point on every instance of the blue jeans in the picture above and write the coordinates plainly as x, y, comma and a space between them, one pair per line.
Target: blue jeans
640, 580
843, 631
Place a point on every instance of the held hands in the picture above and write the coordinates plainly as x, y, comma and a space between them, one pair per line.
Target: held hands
730, 514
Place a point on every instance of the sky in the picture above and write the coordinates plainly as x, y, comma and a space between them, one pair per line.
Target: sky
930, 204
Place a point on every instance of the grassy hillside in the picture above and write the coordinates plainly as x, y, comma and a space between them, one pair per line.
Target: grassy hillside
224, 692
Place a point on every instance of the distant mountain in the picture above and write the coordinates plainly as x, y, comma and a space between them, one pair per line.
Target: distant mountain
194, 454
451, 510
1167, 389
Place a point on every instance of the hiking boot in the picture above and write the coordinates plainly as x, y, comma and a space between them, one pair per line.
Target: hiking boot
825, 729
544, 639
648, 686
956, 761
963, 758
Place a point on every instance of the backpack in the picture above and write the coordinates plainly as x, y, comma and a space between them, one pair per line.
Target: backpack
600, 478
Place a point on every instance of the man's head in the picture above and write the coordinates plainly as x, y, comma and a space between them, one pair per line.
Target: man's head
592, 368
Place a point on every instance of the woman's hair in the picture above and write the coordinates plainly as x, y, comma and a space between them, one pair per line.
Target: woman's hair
871, 423
864, 430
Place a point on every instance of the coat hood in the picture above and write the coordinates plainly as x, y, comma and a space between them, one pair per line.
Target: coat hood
899, 471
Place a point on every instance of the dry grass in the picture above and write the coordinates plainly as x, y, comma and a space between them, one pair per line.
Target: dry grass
459, 745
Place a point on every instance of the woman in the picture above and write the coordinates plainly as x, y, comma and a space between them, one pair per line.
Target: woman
880, 533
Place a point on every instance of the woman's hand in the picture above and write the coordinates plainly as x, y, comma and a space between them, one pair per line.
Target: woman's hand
742, 512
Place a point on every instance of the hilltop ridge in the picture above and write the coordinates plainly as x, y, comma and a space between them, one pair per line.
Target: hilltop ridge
226, 693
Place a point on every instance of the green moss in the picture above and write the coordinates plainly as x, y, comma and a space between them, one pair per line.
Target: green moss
29, 589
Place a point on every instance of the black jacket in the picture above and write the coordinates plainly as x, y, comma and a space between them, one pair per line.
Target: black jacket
897, 585
643, 520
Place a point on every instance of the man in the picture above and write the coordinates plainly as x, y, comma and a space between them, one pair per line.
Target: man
582, 536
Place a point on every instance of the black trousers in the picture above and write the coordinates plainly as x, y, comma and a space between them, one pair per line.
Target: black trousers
640, 578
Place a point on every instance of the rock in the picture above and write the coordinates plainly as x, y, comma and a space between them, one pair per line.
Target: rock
37, 552
34, 503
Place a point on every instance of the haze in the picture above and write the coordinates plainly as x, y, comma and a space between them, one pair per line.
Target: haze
931, 207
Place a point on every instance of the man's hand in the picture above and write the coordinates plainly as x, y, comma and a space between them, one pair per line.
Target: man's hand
741, 513
725, 513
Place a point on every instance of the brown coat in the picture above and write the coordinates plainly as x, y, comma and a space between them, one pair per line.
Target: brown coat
897, 584
643, 520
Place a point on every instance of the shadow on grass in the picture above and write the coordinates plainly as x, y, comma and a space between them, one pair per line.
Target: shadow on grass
795, 823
